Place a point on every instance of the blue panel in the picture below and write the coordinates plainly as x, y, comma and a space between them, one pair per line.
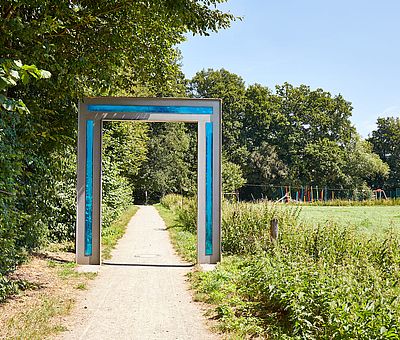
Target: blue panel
209, 187
200, 110
89, 188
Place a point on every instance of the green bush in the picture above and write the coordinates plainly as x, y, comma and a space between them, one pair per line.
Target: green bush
185, 209
172, 201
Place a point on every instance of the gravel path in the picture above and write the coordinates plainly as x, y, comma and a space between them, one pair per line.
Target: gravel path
141, 292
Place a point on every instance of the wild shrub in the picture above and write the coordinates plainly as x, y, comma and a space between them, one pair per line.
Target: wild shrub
185, 209
187, 215
327, 281
172, 201
245, 226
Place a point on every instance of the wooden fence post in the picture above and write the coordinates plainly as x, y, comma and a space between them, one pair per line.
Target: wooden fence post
273, 230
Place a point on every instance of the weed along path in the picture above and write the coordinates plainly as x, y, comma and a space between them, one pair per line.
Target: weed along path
141, 292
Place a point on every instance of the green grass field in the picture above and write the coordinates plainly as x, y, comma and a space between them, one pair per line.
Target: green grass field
368, 218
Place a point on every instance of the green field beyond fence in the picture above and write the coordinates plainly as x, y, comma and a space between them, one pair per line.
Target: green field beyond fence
370, 218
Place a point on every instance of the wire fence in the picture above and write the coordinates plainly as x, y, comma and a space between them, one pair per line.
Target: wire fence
308, 193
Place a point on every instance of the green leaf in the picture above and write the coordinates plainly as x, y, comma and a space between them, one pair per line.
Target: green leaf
3, 83
25, 78
8, 105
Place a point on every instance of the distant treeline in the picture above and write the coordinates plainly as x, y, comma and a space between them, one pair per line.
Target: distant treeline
296, 136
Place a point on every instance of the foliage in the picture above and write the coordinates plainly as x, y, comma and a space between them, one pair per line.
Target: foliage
293, 135
364, 164
185, 210
386, 143
124, 151
318, 282
266, 166
246, 225
232, 176
16, 235
172, 201
81, 38
231, 89
166, 170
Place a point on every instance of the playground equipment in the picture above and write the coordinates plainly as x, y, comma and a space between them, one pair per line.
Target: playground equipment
303, 194
311, 193
379, 194
93, 111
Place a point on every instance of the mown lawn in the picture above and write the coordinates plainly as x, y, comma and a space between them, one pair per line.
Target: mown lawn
368, 218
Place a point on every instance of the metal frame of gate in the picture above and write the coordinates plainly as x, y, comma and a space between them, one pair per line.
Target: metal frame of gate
93, 111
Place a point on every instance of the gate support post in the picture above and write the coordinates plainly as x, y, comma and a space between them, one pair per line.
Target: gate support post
88, 233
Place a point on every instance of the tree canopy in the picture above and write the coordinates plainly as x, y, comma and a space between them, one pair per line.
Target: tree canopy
386, 143
289, 136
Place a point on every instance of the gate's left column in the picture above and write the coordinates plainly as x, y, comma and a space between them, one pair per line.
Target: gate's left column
88, 231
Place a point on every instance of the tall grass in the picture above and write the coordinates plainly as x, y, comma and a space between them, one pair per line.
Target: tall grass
245, 226
317, 282
185, 208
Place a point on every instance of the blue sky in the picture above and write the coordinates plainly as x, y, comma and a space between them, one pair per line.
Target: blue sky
349, 47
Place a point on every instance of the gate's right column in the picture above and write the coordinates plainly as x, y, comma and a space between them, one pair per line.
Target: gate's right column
209, 189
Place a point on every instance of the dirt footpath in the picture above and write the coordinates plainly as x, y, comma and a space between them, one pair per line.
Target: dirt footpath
141, 292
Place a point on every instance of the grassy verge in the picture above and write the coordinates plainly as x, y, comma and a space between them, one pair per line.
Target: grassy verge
222, 289
112, 234
183, 241
52, 287
48, 287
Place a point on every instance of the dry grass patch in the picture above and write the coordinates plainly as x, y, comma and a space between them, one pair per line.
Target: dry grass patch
52, 285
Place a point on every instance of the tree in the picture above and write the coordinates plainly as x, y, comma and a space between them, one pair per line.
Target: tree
124, 152
91, 48
363, 166
232, 177
293, 136
231, 89
166, 169
266, 166
81, 38
386, 143
302, 117
325, 161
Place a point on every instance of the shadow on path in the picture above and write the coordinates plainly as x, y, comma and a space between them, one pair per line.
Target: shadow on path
148, 265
